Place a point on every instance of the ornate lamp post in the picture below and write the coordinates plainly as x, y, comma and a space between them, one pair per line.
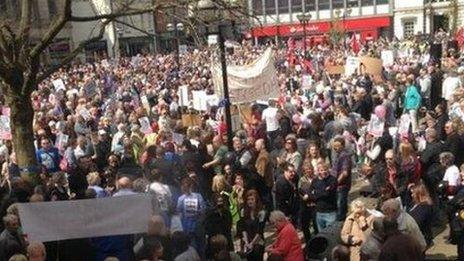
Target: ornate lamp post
179, 27
213, 17
304, 20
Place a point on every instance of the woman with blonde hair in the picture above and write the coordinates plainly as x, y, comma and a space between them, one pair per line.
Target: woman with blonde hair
422, 211
220, 184
356, 228
157, 232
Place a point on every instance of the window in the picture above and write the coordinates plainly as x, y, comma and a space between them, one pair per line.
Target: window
352, 3
324, 4
270, 7
258, 7
310, 5
337, 4
408, 28
51, 7
367, 2
297, 6
283, 6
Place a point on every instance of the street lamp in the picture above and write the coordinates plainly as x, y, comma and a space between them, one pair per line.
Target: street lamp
346, 13
212, 17
304, 20
179, 27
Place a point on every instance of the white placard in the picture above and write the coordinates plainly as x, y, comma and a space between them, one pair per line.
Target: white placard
199, 100
376, 126
405, 122
183, 95
61, 220
145, 125
352, 65
59, 84
387, 57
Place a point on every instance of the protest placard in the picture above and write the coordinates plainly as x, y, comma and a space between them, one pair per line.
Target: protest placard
189, 120
352, 65
372, 66
335, 69
61, 141
145, 125
376, 126
387, 57
245, 113
58, 84
145, 103
199, 100
183, 95
87, 218
5, 129
405, 122
306, 81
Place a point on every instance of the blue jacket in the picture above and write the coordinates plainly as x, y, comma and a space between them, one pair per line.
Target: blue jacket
412, 98
50, 159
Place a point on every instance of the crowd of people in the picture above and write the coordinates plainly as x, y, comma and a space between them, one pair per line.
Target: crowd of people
114, 128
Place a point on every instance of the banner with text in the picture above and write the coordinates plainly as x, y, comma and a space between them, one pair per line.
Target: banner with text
61, 220
248, 83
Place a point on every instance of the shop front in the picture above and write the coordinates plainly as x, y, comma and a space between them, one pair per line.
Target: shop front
367, 28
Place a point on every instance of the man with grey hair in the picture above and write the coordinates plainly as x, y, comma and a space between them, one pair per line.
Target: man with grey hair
406, 224
11, 242
287, 244
370, 249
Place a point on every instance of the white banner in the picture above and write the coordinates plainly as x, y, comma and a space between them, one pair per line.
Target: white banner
248, 83
387, 57
61, 220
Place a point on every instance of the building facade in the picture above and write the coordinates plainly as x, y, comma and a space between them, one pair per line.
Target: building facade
427, 16
279, 18
367, 18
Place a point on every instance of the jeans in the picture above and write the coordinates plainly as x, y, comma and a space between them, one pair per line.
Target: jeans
413, 116
342, 203
324, 220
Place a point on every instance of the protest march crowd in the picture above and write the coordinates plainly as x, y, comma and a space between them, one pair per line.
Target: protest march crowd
116, 128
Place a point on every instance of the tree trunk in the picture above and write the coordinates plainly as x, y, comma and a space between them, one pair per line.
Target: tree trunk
22, 115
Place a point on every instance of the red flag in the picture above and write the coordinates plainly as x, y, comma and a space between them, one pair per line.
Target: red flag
460, 36
355, 44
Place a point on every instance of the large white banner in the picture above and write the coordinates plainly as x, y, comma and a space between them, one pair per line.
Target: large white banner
60, 220
248, 83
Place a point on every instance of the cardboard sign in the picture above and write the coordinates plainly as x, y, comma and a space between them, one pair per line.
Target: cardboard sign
5, 129
371, 65
59, 84
335, 69
245, 113
189, 120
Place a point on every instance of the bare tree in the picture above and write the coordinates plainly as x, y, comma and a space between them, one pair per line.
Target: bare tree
20, 66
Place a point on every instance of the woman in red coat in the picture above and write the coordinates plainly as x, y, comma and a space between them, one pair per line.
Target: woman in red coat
287, 243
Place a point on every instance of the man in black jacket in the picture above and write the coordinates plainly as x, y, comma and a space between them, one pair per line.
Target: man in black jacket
454, 142
324, 194
430, 159
286, 193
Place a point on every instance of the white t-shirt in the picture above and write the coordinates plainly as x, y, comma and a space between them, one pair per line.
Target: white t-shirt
452, 176
270, 116
450, 84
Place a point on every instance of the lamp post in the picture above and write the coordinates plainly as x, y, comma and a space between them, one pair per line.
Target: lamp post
212, 15
346, 13
304, 20
179, 27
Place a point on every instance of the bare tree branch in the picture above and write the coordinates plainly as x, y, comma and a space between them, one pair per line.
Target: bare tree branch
112, 16
135, 28
53, 30
74, 53
24, 24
